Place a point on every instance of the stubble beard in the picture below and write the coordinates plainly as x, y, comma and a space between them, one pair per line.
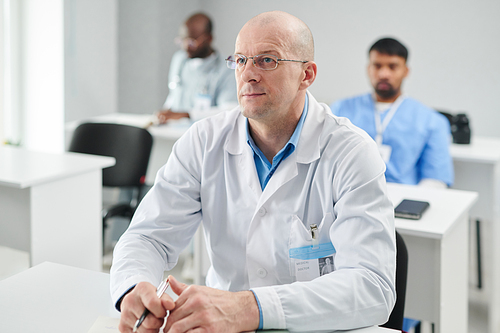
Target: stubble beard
257, 112
386, 93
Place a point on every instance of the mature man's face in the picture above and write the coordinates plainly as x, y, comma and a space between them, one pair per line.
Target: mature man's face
267, 94
386, 73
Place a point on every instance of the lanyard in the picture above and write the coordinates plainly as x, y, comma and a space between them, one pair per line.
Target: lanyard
381, 126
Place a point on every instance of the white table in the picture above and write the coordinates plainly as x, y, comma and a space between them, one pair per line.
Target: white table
437, 287
59, 299
51, 205
55, 298
477, 168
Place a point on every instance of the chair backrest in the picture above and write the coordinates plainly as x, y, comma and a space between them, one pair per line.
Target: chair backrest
448, 116
129, 145
396, 318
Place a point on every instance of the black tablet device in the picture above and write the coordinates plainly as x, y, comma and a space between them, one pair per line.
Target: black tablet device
411, 209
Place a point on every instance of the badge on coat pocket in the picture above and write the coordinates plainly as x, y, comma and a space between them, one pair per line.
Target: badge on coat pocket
311, 261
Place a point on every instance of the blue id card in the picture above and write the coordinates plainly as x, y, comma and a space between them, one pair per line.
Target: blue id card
312, 261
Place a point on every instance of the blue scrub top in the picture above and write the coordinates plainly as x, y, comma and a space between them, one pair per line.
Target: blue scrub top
419, 138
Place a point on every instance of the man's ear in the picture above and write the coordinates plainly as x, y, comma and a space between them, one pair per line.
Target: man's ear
309, 75
407, 69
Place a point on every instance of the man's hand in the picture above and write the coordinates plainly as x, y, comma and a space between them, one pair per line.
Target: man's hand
144, 296
165, 115
204, 309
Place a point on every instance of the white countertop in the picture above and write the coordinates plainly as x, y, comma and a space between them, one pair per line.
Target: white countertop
481, 149
21, 168
446, 207
54, 298
59, 298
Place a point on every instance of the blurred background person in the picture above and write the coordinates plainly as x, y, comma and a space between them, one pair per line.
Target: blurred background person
412, 138
198, 78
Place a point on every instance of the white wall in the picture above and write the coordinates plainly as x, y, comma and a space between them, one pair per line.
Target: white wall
91, 52
146, 32
42, 75
454, 47
2, 74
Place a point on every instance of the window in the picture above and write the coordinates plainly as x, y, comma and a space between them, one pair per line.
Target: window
10, 116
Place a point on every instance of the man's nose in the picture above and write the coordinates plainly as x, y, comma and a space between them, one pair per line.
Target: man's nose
249, 72
384, 72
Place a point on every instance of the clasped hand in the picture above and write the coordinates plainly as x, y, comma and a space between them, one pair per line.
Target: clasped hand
197, 309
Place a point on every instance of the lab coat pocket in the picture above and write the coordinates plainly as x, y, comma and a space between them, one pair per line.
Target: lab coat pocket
311, 253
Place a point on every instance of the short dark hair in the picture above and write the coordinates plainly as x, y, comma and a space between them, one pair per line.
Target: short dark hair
390, 46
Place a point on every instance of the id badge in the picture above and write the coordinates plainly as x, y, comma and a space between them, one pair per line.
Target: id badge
202, 104
312, 261
385, 152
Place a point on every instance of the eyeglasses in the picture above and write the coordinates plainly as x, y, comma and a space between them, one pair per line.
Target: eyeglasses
266, 62
187, 42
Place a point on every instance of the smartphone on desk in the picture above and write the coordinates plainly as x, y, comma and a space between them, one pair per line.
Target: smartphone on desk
411, 209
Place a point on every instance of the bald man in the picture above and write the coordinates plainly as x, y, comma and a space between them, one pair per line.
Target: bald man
198, 76
279, 184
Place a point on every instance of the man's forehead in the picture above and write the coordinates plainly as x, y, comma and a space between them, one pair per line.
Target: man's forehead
192, 28
377, 57
265, 42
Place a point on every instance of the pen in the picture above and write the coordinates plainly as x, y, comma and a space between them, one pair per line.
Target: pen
159, 291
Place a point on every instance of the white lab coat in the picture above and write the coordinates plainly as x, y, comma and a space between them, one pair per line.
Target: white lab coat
334, 178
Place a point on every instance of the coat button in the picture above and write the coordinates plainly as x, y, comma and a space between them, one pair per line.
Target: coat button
261, 272
262, 211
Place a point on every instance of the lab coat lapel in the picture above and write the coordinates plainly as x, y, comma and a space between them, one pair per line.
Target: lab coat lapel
238, 147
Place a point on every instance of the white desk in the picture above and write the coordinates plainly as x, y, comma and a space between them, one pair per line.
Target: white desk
51, 205
54, 298
437, 287
477, 168
61, 299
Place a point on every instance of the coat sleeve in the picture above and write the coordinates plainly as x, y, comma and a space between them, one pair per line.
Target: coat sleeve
361, 290
164, 223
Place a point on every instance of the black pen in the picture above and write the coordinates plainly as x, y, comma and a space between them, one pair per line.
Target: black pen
159, 292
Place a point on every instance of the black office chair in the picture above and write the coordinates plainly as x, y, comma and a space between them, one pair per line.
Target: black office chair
396, 318
130, 146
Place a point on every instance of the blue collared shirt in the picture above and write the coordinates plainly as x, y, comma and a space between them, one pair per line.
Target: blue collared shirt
266, 169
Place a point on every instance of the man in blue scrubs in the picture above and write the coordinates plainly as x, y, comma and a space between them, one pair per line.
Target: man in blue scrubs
412, 138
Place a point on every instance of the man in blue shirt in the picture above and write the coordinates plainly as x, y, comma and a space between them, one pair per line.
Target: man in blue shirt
412, 138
